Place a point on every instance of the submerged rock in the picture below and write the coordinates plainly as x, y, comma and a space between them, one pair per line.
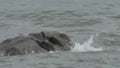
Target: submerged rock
36, 42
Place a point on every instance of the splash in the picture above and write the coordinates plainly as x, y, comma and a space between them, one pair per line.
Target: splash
86, 46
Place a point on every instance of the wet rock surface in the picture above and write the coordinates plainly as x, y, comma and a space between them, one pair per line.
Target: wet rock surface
44, 41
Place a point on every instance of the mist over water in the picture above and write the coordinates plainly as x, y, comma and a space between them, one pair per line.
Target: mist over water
81, 20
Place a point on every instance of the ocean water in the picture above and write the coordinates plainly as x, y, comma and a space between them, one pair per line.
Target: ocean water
93, 25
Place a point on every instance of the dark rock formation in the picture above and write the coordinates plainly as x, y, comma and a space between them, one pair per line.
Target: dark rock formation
36, 43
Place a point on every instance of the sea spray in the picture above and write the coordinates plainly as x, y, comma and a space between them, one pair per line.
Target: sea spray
86, 46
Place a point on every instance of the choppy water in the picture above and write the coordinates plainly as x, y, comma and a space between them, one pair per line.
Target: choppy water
82, 20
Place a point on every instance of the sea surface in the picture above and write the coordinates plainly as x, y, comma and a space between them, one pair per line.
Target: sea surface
93, 25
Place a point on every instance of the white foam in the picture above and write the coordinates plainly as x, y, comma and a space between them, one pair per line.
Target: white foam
51, 51
86, 46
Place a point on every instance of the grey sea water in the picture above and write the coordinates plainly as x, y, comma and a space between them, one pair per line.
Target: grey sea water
78, 18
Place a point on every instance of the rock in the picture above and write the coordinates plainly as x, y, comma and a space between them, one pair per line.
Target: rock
36, 42
57, 41
20, 45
